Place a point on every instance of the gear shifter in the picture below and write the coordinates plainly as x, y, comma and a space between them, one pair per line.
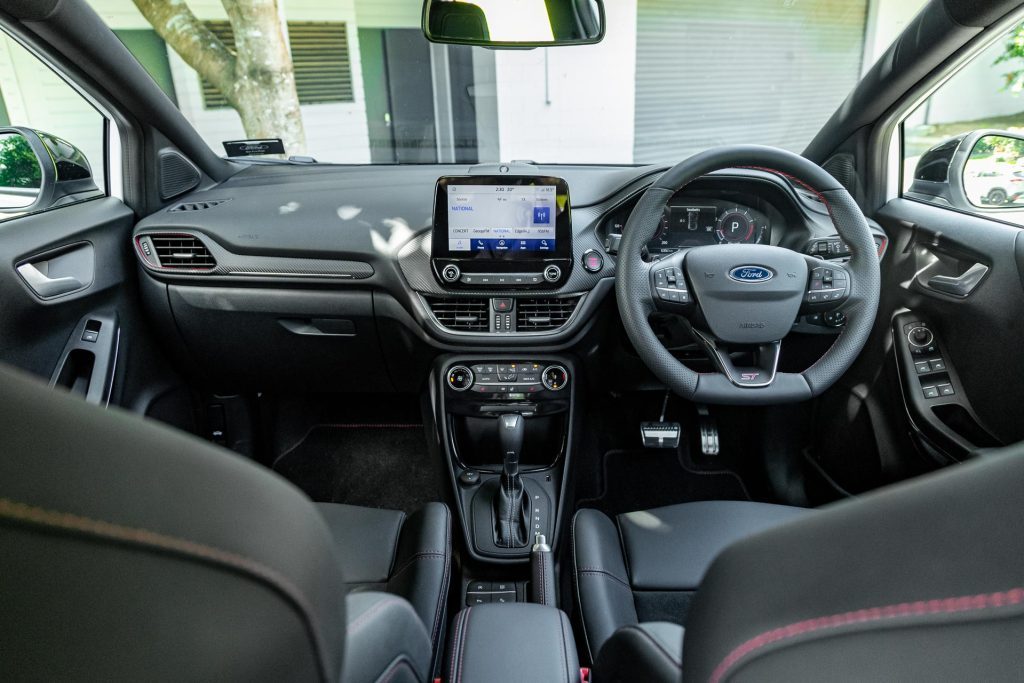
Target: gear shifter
511, 506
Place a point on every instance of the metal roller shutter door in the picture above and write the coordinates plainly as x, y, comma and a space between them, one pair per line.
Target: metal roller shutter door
730, 71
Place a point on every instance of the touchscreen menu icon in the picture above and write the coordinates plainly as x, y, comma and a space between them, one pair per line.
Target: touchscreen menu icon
542, 215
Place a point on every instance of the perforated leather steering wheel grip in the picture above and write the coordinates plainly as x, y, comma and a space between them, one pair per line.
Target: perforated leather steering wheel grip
632, 286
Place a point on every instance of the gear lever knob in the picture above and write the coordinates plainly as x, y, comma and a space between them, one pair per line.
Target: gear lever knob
510, 435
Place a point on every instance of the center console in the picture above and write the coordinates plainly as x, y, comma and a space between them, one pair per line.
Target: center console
506, 426
508, 232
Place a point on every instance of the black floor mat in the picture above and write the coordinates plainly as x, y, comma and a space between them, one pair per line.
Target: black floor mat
639, 479
385, 466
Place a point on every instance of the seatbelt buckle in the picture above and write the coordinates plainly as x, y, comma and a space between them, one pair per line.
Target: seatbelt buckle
584, 675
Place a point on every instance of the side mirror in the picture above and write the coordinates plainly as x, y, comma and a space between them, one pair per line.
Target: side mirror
40, 171
514, 23
993, 171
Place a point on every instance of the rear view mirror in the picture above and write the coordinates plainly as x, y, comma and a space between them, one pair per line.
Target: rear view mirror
40, 171
993, 173
514, 23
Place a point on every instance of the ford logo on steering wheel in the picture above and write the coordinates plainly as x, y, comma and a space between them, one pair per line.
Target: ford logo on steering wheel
751, 274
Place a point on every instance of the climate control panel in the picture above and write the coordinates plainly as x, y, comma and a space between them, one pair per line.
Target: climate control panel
507, 379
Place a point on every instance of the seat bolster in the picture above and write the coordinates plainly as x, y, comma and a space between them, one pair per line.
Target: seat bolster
422, 565
366, 539
670, 548
603, 591
385, 640
651, 651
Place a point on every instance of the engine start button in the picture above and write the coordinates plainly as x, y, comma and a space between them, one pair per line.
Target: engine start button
593, 262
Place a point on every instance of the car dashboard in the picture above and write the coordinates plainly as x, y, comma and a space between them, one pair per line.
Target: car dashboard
283, 268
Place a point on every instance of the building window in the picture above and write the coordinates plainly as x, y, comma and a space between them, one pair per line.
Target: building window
323, 72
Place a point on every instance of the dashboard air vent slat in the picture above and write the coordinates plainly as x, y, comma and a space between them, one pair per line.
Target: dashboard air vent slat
197, 206
544, 314
462, 315
186, 252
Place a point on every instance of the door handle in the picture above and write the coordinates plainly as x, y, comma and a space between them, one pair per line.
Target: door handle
962, 285
59, 271
45, 286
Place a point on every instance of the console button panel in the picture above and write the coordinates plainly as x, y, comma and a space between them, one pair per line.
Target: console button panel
508, 379
929, 365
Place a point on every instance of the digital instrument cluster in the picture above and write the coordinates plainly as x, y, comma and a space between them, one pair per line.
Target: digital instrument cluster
698, 223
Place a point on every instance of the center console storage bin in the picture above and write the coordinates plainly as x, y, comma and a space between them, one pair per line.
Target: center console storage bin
514, 643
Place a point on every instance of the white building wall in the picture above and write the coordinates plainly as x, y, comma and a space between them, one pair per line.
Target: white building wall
571, 104
337, 131
886, 20
36, 97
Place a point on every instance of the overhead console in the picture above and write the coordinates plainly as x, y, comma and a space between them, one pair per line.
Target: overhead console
505, 232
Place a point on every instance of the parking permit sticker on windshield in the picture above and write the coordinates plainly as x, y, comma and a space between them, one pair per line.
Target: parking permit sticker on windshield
249, 148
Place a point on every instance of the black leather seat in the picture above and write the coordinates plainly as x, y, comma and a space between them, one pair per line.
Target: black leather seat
385, 550
923, 581
646, 566
130, 551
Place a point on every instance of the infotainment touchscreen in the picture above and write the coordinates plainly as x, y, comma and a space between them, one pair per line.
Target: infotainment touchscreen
501, 218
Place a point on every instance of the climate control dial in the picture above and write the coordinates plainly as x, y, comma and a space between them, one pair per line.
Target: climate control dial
554, 378
460, 378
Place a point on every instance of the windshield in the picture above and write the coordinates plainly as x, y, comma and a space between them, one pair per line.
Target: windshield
356, 82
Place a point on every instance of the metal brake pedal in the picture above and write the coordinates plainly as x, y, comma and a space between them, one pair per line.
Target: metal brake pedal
709, 444
661, 434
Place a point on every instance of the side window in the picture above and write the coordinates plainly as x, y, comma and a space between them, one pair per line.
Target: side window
963, 147
51, 137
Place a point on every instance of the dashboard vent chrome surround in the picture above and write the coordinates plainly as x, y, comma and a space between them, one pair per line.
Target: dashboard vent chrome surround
182, 252
544, 314
462, 315
197, 206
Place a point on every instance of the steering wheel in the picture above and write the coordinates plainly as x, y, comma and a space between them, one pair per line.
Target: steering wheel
746, 297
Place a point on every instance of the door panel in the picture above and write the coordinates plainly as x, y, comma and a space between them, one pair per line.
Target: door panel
63, 282
957, 315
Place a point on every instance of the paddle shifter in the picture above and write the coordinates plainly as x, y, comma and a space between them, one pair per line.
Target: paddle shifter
511, 506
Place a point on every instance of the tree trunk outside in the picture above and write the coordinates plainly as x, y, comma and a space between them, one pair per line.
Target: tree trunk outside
263, 90
258, 81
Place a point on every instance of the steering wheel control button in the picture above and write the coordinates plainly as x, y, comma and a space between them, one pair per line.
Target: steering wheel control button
460, 378
450, 273
827, 285
670, 285
554, 378
593, 262
552, 273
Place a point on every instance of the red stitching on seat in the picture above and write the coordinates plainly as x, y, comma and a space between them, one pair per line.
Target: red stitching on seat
921, 608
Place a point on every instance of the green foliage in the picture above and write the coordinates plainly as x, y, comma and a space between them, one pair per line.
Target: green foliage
1003, 149
1013, 53
18, 164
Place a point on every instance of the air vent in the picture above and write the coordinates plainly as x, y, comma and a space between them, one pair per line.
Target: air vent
462, 315
197, 206
545, 314
185, 252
